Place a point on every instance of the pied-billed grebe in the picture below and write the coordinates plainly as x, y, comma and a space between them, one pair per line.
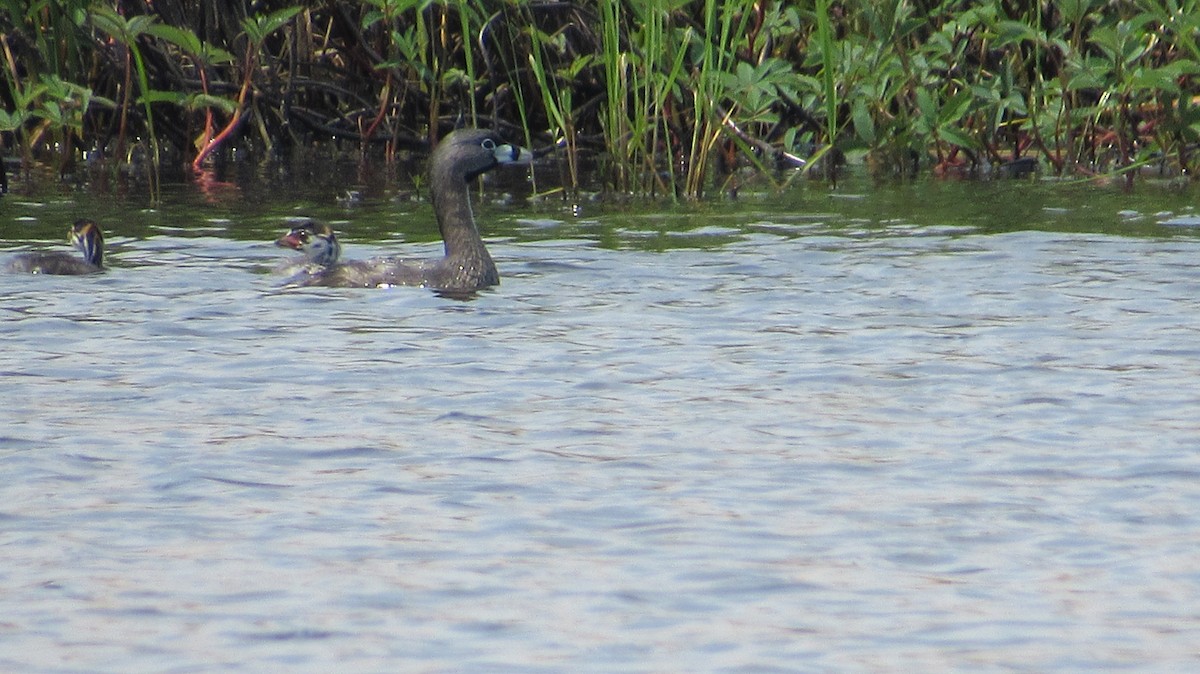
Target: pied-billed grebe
84, 235
317, 241
321, 252
461, 157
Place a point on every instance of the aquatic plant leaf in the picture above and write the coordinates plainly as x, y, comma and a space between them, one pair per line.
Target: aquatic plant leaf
156, 96
1015, 32
926, 104
958, 137
1093, 73
184, 39
864, 123
122, 29
1075, 11
259, 26
110, 23
1164, 79
102, 101
11, 121
955, 109
202, 101
137, 25
187, 40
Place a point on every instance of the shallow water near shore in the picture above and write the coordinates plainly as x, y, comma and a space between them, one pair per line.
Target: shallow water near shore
920, 427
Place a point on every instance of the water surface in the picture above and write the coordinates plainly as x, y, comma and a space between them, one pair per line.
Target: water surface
880, 428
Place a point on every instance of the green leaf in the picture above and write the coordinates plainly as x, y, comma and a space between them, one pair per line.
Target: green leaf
157, 96
258, 27
958, 137
956, 108
864, 124
138, 24
1153, 80
51, 111
1014, 32
25, 96
1074, 11
203, 101
926, 104
110, 23
11, 121
1094, 73
103, 101
184, 39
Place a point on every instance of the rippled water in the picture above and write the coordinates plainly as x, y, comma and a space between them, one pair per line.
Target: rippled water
938, 427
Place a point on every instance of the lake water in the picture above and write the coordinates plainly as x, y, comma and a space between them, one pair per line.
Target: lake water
876, 428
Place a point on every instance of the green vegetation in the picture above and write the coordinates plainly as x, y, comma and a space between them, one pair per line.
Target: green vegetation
664, 96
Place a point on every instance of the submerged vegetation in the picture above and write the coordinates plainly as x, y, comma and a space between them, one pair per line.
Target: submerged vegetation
664, 96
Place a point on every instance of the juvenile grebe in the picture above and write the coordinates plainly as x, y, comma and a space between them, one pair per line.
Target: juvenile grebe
84, 235
316, 240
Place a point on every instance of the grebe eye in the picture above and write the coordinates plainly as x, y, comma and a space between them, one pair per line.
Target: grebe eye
488, 144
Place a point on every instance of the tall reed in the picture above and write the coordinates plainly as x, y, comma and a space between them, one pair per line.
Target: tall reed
617, 118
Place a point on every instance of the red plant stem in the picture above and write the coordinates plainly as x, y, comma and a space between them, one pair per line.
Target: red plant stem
384, 97
208, 116
234, 122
